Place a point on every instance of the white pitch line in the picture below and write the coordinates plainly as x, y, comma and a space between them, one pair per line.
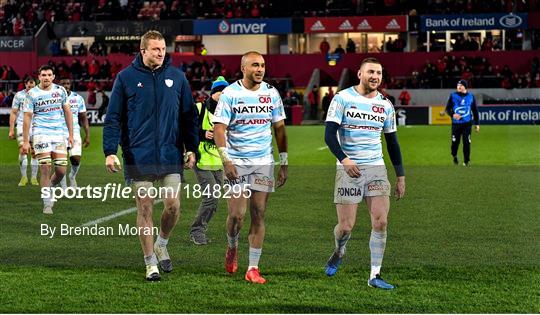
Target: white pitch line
322, 148
114, 215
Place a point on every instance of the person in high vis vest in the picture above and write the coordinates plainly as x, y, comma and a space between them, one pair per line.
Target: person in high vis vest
209, 169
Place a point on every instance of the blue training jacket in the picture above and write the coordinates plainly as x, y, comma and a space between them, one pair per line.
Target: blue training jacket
463, 104
152, 116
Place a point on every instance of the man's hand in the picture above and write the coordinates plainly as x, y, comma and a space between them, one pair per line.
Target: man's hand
400, 187
86, 142
457, 116
189, 160
70, 141
282, 176
25, 149
112, 162
477, 128
11, 134
230, 171
209, 134
351, 168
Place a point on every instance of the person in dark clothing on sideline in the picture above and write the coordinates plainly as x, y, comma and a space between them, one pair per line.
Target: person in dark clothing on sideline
461, 107
104, 104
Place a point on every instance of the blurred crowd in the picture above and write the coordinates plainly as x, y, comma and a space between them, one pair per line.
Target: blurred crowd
478, 71
24, 17
94, 76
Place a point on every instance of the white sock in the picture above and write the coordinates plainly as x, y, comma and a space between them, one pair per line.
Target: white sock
254, 256
232, 241
74, 170
151, 260
162, 241
377, 244
34, 166
63, 182
23, 162
48, 201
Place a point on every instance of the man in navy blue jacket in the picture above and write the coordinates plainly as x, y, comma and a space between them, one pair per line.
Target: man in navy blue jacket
152, 116
461, 106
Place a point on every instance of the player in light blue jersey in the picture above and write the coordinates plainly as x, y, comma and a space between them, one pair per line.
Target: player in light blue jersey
246, 112
47, 109
78, 110
16, 132
356, 118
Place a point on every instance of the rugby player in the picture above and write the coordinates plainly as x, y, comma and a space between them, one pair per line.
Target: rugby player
45, 103
356, 118
16, 124
78, 110
246, 111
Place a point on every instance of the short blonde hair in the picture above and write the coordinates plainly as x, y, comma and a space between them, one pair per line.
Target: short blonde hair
152, 34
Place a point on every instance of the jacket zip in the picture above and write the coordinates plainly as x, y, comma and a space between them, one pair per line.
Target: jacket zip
157, 125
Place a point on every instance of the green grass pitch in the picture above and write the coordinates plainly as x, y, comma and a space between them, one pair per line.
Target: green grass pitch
464, 240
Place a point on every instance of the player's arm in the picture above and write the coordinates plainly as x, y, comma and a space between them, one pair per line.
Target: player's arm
12, 119
28, 110
281, 140
83, 121
334, 118
476, 117
27, 118
449, 106
219, 137
221, 120
69, 122
331, 139
394, 151
112, 126
189, 123
278, 123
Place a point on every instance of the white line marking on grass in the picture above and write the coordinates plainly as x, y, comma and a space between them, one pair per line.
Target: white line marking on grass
114, 215
322, 148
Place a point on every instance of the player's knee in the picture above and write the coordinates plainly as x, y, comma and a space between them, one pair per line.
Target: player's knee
46, 161
257, 215
75, 160
61, 161
346, 230
380, 224
236, 218
144, 211
172, 205
346, 227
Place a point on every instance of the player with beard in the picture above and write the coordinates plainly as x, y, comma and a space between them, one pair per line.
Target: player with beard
47, 111
357, 116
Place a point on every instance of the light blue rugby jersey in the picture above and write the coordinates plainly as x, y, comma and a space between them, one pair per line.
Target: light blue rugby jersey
361, 121
18, 102
77, 105
48, 119
249, 116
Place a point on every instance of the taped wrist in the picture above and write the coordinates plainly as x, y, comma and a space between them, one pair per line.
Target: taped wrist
283, 158
224, 155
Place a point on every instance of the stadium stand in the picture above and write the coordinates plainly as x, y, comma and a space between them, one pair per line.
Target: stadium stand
24, 17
